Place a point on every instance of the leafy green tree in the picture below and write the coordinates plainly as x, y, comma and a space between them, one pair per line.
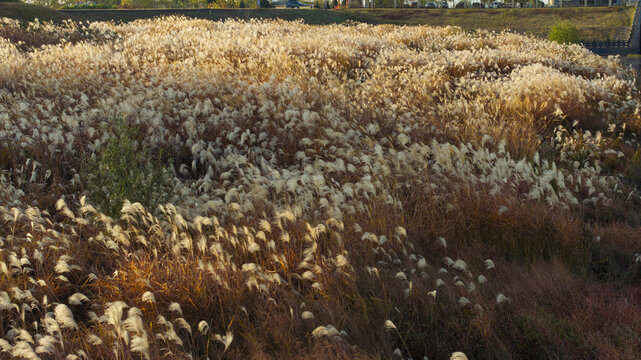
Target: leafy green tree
223, 4
564, 32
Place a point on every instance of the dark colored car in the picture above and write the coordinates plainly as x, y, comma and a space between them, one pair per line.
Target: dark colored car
431, 5
294, 4
460, 5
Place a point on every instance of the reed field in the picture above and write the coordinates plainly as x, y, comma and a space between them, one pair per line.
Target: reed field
187, 189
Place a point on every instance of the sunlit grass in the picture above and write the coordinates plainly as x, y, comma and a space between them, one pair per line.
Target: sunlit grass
396, 190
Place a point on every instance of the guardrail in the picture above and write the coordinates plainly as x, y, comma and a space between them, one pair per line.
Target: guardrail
631, 45
606, 43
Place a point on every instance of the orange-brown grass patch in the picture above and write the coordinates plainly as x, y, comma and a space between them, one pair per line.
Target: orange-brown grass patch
582, 320
525, 231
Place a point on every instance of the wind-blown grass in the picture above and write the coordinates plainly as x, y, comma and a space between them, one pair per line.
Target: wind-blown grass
396, 190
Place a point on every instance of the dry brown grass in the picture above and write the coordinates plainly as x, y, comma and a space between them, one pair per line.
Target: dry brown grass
593, 22
441, 181
576, 311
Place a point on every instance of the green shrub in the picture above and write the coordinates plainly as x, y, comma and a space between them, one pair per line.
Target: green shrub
123, 170
564, 32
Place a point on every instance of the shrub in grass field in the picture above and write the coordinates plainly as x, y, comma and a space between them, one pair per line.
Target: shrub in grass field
564, 33
124, 171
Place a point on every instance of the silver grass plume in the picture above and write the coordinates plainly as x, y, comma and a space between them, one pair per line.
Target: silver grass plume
64, 317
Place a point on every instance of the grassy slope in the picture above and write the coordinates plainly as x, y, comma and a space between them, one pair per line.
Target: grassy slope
308, 16
28, 12
594, 23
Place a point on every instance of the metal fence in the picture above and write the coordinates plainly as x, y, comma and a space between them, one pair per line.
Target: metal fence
589, 33
619, 46
606, 43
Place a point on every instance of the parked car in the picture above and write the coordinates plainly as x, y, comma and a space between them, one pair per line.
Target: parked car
476, 5
294, 4
444, 5
430, 5
460, 5
496, 5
